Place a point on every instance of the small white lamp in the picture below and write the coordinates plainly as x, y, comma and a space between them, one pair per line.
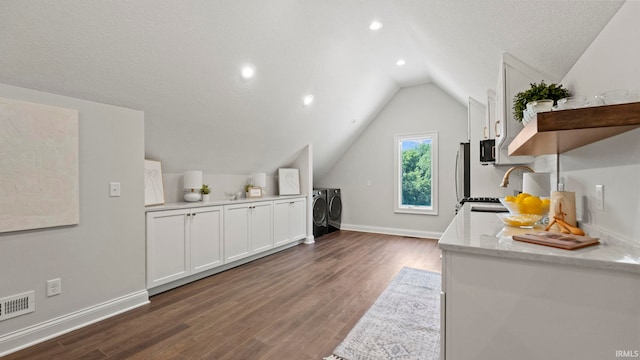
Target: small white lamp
191, 185
259, 180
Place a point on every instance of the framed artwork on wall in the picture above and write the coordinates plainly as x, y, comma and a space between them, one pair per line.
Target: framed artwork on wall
153, 186
289, 181
39, 167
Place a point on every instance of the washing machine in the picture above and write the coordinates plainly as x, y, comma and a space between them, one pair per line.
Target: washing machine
334, 201
320, 213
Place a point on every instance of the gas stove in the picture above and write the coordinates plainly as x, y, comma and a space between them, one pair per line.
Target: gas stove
493, 200
485, 204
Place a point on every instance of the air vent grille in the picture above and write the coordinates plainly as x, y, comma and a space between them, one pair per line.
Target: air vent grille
16, 305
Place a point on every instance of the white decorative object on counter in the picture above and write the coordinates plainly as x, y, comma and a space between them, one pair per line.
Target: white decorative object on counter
192, 182
153, 185
289, 181
563, 205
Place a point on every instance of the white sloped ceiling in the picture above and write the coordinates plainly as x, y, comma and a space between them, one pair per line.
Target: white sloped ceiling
180, 63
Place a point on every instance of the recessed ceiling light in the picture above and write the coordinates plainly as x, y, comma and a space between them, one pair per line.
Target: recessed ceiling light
308, 100
400, 62
375, 25
248, 72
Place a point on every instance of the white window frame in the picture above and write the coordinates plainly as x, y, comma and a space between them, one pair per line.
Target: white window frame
397, 177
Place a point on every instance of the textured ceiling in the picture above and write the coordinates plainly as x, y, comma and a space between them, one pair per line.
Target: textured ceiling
180, 61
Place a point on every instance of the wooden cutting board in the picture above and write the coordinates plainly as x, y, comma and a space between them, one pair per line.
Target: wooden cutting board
562, 241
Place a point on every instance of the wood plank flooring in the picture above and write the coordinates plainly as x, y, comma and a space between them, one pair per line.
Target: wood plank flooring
297, 304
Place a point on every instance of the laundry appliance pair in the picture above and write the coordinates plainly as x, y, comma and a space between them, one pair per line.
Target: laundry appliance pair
327, 211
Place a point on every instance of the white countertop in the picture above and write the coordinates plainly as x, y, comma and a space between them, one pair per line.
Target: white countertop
484, 234
218, 202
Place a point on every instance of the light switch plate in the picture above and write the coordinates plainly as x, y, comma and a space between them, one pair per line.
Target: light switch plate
114, 189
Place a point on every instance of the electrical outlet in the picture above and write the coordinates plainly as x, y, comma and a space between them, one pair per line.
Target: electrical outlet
114, 189
599, 197
54, 287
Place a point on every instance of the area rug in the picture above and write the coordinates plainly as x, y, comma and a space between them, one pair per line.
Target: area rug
403, 323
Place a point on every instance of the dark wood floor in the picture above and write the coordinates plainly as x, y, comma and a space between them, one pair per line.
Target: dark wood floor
297, 304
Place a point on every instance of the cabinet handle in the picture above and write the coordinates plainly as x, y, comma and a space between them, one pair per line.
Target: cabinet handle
188, 214
493, 152
484, 132
496, 129
291, 203
194, 214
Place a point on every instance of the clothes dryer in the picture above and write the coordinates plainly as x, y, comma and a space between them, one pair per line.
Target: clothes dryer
320, 213
334, 201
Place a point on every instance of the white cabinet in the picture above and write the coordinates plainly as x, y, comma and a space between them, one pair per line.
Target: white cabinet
167, 247
515, 76
490, 116
504, 308
289, 221
248, 229
205, 233
182, 242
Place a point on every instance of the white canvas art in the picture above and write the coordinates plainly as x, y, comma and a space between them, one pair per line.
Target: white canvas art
39, 184
153, 185
289, 181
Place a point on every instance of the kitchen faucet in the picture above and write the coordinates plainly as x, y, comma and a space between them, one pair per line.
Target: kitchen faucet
505, 179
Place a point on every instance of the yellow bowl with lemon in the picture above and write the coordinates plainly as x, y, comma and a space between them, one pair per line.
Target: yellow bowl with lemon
525, 210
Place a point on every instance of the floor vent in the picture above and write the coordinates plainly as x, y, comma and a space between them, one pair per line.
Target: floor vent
16, 305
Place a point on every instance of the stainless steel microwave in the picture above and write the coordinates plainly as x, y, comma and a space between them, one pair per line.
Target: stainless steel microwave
487, 151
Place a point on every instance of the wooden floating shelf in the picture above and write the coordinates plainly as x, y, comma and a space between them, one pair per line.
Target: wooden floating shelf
556, 132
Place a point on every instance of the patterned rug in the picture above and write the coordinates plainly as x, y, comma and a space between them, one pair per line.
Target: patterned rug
403, 323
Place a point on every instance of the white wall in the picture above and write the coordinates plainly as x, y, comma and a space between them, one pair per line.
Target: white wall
611, 62
101, 261
370, 158
304, 164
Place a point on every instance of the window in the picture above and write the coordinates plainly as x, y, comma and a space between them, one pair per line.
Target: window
415, 177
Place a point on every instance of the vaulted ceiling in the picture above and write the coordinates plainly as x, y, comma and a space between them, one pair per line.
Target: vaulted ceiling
180, 62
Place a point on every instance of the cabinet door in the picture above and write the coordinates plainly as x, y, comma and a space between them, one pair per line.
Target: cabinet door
281, 223
515, 76
490, 116
167, 247
206, 238
236, 232
289, 221
261, 226
298, 219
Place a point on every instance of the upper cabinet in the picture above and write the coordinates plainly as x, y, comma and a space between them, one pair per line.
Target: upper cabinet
490, 117
515, 76
556, 132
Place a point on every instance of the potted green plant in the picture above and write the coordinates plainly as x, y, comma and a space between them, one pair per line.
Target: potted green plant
205, 191
539, 91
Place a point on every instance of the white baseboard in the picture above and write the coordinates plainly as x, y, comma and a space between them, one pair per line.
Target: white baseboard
310, 239
392, 231
49, 329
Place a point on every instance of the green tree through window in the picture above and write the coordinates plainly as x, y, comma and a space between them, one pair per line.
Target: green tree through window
416, 172
416, 166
